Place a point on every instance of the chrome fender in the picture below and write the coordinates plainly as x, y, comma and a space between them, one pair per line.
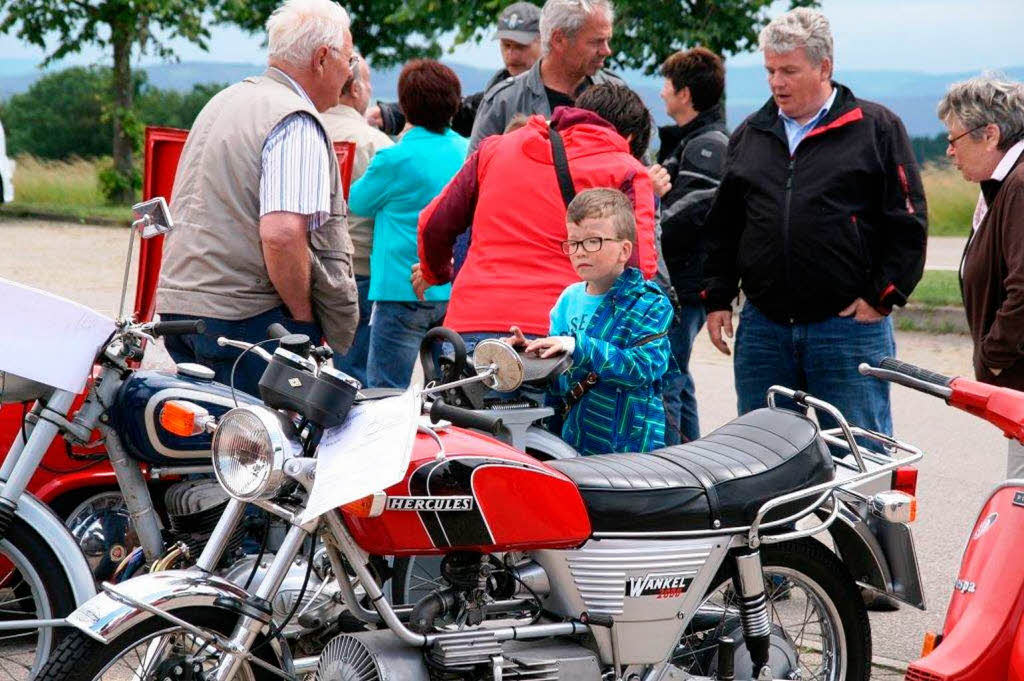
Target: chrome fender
544, 442
879, 554
114, 610
45, 522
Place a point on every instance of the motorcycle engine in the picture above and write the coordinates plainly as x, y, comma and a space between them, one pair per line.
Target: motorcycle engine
193, 509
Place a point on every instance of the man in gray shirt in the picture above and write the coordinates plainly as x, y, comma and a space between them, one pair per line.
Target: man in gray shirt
574, 37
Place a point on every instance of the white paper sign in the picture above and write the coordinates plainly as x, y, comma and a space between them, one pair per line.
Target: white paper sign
368, 453
48, 339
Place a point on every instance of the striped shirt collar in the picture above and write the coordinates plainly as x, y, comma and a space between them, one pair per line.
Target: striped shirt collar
295, 86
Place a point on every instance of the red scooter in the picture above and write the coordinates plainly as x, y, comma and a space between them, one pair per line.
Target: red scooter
982, 639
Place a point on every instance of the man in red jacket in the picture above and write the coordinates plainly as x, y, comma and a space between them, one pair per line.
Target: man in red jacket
509, 192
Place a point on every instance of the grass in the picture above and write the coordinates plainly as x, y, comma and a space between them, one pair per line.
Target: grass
61, 189
938, 288
951, 200
70, 189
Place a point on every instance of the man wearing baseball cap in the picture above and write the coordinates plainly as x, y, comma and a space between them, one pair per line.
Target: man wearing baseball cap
519, 39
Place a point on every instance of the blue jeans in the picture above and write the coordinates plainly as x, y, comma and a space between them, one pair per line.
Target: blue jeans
678, 393
396, 330
203, 349
354, 361
820, 358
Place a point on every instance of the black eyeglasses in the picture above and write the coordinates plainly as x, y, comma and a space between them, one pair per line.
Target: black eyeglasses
591, 244
952, 141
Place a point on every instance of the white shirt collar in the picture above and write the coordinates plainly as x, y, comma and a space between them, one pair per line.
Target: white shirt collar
1009, 158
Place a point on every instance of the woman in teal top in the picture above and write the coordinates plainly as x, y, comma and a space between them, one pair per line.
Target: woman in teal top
399, 182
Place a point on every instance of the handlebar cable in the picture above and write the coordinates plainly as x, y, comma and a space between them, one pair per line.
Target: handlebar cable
234, 367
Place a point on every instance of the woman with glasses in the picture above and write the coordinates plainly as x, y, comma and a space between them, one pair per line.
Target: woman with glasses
398, 183
985, 120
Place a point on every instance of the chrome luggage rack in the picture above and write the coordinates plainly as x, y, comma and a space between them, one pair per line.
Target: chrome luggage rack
843, 437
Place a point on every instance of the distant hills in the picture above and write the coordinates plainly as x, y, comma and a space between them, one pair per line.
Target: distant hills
912, 95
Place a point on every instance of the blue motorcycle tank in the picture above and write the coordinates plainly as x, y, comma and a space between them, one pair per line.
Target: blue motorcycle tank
135, 415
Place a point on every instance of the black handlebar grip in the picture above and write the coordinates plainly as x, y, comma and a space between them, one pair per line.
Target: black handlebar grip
893, 364
184, 327
466, 418
277, 330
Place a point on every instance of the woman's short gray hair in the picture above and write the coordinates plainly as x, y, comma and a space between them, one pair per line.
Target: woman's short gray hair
568, 16
976, 102
801, 27
298, 27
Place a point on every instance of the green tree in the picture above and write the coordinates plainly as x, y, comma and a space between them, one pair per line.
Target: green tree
60, 115
122, 26
173, 108
646, 31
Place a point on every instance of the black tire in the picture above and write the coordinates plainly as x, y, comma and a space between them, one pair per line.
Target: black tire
817, 564
80, 657
56, 589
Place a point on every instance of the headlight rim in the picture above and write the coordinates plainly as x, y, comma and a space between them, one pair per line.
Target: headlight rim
283, 444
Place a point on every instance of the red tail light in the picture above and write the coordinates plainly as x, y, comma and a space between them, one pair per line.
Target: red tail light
904, 479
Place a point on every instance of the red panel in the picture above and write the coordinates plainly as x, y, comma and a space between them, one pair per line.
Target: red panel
531, 509
525, 504
162, 151
346, 152
988, 603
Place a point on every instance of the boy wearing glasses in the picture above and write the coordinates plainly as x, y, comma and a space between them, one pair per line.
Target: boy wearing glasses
615, 325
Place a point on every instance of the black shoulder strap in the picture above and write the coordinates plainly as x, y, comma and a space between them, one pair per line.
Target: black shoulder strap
561, 166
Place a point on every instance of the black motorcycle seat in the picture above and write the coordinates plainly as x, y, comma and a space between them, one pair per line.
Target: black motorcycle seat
725, 476
537, 370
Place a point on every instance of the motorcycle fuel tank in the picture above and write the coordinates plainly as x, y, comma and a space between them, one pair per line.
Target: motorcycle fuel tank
987, 605
481, 495
136, 415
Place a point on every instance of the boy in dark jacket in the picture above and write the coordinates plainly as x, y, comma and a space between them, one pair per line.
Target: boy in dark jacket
614, 324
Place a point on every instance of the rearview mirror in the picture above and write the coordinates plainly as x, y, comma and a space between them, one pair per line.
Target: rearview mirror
508, 367
152, 217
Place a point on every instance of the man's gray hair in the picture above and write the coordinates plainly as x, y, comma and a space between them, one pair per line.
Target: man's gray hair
569, 17
986, 99
298, 27
800, 27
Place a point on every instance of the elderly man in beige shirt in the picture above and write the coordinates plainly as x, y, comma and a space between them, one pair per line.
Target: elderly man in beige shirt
346, 123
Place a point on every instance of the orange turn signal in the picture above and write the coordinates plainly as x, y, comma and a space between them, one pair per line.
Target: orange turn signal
182, 418
930, 641
369, 506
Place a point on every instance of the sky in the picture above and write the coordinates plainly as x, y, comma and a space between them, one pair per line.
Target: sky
936, 36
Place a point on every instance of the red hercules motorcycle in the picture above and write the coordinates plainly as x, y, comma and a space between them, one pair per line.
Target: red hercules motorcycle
982, 639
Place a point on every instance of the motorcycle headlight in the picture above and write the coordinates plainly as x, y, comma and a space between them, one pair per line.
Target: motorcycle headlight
250, 447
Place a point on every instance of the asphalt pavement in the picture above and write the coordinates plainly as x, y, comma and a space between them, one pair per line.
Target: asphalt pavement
964, 458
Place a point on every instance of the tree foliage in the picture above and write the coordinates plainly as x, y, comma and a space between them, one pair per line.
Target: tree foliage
646, 31
62, 113
121, 26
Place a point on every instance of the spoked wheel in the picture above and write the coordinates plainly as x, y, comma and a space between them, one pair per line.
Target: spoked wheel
154, 650
820, 628
26, 595
413, 578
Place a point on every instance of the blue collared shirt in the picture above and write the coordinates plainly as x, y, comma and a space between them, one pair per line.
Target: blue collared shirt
795, 132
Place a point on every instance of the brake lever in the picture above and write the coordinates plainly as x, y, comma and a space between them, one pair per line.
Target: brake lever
242, 345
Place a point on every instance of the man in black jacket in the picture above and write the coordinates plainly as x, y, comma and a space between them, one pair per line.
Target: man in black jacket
519, 40
693, 153
821, 218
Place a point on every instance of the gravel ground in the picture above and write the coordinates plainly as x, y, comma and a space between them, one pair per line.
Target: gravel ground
86, 264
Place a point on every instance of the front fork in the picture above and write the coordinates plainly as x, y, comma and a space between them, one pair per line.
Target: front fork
748, 583
250, 625
24, 456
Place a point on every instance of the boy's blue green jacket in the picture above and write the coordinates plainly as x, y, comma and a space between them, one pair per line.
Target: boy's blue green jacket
626, 345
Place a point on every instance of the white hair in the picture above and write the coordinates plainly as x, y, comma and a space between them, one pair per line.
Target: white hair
298, 27
989, 98
569, 16
801, 27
